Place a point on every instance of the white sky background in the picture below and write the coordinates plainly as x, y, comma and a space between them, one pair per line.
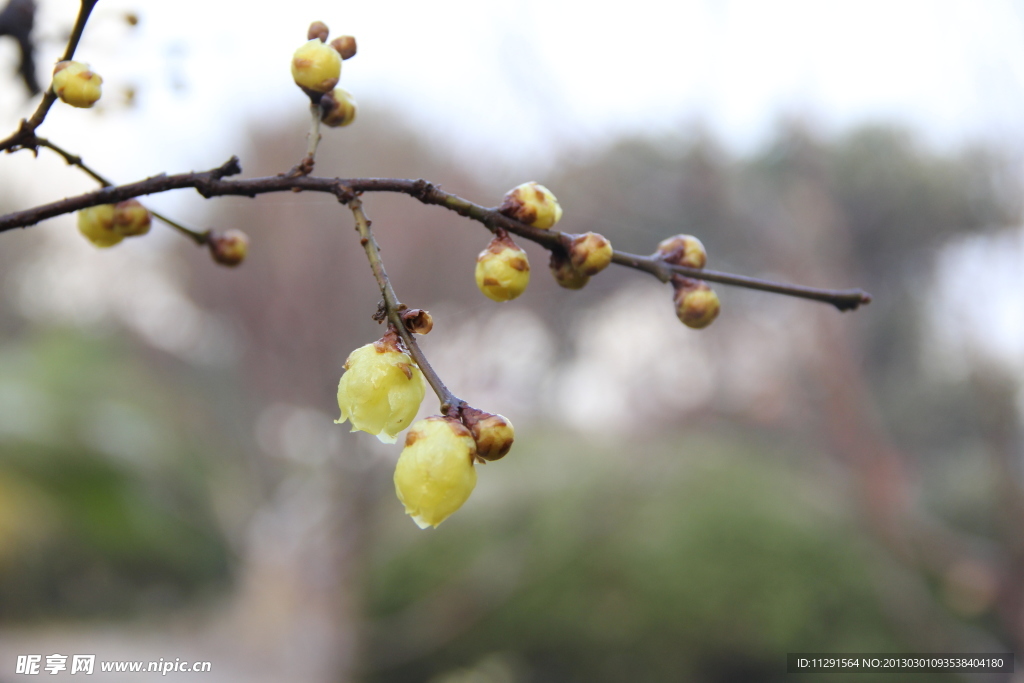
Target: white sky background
521, 82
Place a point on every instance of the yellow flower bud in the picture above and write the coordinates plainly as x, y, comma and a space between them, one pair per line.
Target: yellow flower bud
493, 433
533, 204
74, 84
565, 275
131, 218
316, 67
590, 253
228, 248
381, 389
697, 304
435, 472
97, 224
502, 270
337, 108
682, 250
345, 45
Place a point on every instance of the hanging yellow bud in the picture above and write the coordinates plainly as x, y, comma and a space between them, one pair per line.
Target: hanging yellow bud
697, 305
131, 218
435, 472
564, 273
228, 248
97, 224
502, 270
338, 108
590, 253
74, 84
381, 390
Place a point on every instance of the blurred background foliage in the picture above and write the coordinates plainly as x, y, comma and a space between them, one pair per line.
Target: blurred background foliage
814, 481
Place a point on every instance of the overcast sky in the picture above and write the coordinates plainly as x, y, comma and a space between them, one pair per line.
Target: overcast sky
527, 80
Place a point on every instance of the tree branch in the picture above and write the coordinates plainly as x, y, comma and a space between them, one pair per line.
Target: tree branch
212, 183
200, 238
450, 403
25, 135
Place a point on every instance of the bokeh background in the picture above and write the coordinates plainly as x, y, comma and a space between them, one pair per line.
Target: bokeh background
679, 505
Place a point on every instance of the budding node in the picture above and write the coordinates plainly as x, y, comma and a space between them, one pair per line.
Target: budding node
533, 204
502, 269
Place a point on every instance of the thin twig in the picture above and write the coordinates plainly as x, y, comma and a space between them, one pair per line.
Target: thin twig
200, 238
450, 403
212, 183
305, 165
26, 131
313, 139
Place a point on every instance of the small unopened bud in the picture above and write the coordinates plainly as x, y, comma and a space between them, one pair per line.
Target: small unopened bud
502, 270
131, 218
417, 320
74, 84
493, 433
316, 67
697, 304
533, 204
682, 250
564, 273
337, 108
345, 45
590, 253
97, 224
228, 248
318, 30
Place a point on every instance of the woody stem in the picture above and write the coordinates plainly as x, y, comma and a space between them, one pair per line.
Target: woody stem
450, 403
